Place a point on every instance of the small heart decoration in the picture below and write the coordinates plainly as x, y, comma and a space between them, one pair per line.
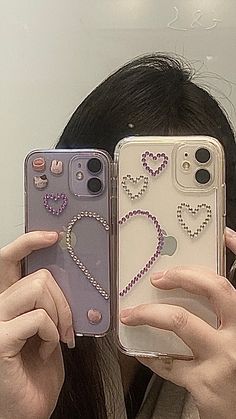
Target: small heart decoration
193, 211
92, 215
156, 254
55, 197
134, 180
155, 158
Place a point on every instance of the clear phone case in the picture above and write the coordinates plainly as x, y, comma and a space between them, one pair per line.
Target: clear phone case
68, 191
171, 211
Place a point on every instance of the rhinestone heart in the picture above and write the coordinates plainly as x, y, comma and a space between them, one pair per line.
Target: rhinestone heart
55, 197
135, 181
193, 211
156, 254
155, 157
75, 258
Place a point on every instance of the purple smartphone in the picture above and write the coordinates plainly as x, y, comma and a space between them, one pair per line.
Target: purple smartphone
69, 191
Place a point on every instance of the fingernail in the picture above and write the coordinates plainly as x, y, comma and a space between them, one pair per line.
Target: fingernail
125, 313
70, 337
51, 234
230, 232
157, 275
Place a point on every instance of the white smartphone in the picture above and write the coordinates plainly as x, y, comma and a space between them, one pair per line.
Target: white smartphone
171, 211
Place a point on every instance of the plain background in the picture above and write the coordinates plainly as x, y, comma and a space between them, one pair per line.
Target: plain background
54, 52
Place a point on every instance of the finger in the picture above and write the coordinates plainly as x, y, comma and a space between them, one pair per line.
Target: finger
200, 281
15, 333
177, 371
196, 333
230, 239
38, 290
25, 244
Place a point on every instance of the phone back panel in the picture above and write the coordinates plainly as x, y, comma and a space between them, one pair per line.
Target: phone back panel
82, 270
162, 224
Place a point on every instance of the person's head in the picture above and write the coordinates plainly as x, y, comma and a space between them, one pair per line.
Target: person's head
151, 95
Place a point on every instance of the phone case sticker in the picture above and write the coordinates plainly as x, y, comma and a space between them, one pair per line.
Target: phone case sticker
61, 197
156, 254
56, 167
39, 164
134, 181
75, 257
40, 182
195, 212
94, 316
154, 157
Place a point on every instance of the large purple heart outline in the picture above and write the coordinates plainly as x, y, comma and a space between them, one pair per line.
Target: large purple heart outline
55, 197
154, 157
156, 254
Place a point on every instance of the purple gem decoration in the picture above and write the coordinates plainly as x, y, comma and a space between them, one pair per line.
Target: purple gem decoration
156, 254
158, 156
55, 197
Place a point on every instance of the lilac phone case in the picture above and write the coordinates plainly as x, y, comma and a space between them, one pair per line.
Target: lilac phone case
80, 262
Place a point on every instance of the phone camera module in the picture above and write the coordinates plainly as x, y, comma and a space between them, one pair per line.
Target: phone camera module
94, 185
94, 165
202, 155
202, 176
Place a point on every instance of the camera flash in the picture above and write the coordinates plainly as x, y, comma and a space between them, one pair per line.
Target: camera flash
79, 175
186, 165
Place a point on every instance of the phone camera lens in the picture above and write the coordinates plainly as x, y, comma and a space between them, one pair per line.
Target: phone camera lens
94, 185
202, 155
202, 176
94, 165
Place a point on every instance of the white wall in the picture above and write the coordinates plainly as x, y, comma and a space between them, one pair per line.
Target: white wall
53, 52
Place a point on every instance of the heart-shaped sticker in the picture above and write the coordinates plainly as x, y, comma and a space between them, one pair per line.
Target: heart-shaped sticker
156, 254
79, 263
193, 211
55, 197
135, 181
155, 158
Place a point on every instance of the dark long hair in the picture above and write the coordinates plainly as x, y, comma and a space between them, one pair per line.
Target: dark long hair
151, 95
